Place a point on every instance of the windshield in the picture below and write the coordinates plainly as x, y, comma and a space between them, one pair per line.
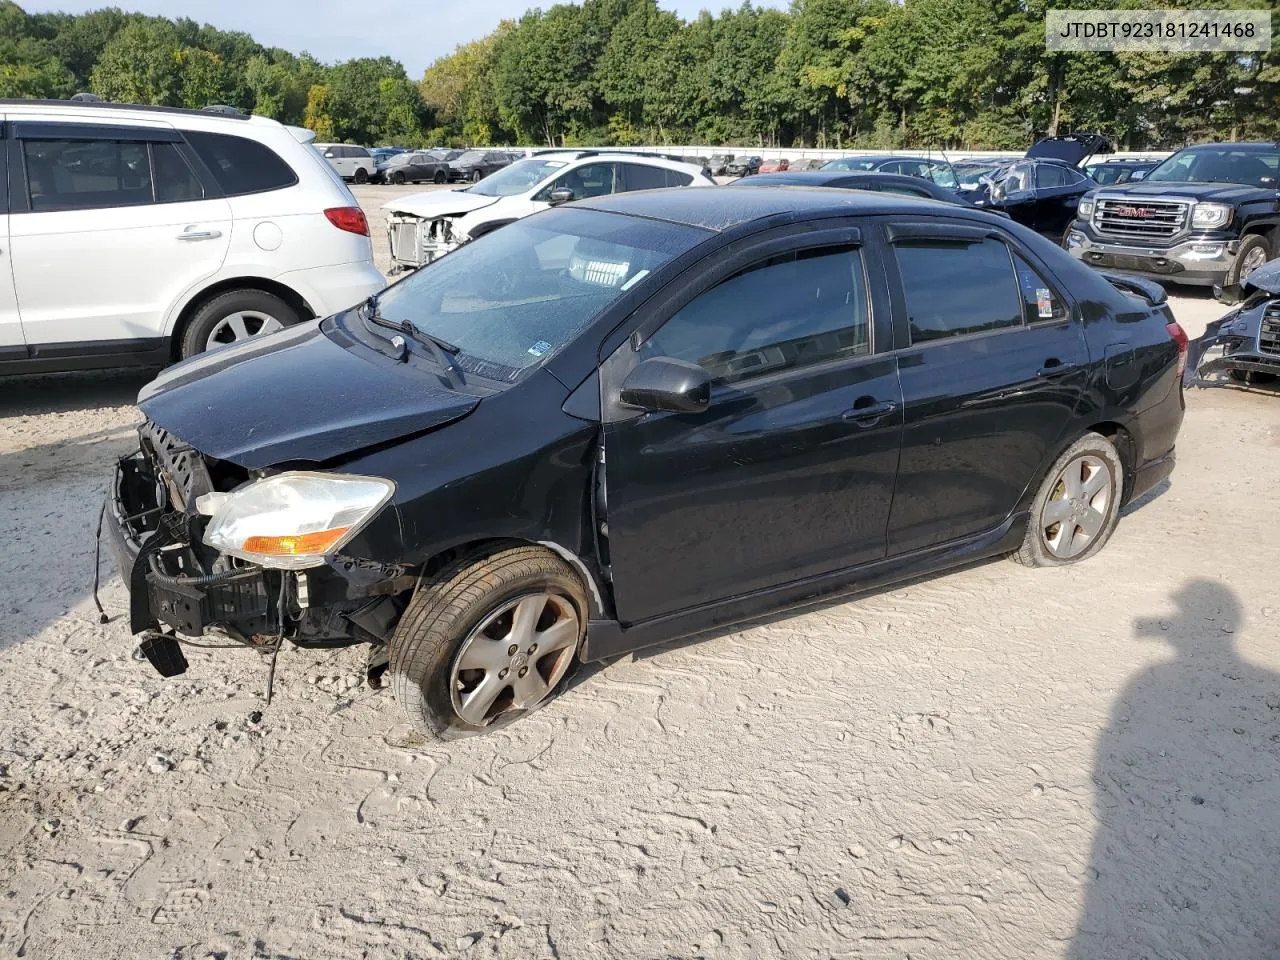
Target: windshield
1221, 164
513, 298
852, 163
940, 173
519, 177
471, 156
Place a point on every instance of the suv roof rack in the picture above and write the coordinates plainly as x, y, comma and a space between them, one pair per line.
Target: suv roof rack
81, 100
223, 109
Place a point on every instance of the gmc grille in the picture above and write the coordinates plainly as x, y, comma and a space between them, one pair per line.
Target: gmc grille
1140, 219
1269, 332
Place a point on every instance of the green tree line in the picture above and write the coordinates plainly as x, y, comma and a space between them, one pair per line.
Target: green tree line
829, 73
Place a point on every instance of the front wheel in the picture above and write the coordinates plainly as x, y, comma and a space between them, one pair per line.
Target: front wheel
398, 178
486, 641
1254, 252
440, 177
476, 176
1077, 507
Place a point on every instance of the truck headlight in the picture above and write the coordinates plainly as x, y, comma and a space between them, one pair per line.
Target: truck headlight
1208, 215
293, 520
1085, 208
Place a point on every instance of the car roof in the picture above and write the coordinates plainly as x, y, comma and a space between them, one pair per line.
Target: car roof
820, 178
723, 209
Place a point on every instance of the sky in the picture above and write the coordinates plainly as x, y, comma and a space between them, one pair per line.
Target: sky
415, 32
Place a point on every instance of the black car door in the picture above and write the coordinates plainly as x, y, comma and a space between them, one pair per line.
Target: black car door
992, 365
1057, 192
790, 471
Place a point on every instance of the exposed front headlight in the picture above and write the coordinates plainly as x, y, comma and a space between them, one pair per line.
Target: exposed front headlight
1085, 208
293, 520
1210, 215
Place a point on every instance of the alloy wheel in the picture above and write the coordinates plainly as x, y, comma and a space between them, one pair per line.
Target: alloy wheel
1255, 258
1076, 511
515, 657
241, 325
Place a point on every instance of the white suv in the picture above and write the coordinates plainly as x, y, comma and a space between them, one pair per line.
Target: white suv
349, 161
423, 227
137, 235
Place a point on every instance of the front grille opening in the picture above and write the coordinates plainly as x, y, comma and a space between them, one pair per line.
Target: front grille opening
1269, 332
1140, 220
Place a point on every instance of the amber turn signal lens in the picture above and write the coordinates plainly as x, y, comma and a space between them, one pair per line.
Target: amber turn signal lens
304, 544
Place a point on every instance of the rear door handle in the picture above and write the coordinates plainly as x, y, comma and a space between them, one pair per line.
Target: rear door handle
1054, 368
191, 233
869, 412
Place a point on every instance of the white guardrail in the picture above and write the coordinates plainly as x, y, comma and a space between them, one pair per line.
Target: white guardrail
805, 153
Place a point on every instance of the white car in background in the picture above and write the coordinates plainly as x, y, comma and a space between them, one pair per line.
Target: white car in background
349, 161
140, 235
423, 227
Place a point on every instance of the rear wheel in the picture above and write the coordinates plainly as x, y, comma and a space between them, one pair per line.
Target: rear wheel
1077, 507
235, 316
362, 175
486, 641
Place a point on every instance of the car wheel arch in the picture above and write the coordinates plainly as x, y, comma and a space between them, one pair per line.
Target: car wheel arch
226, 285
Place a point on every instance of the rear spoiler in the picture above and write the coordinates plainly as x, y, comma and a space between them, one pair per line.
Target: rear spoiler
1149, 290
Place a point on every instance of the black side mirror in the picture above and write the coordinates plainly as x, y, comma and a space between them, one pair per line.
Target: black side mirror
560, 195
664, 383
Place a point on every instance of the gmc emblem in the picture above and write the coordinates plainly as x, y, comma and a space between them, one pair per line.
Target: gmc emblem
1138, 213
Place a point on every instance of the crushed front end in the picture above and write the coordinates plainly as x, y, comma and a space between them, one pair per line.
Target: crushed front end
417, 241
1241, 349
182, 527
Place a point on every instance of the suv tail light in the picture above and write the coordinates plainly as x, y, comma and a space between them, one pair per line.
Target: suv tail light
350, 219
1179, 336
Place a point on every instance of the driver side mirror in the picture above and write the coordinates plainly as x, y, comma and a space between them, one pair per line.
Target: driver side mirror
560, 195
664, 383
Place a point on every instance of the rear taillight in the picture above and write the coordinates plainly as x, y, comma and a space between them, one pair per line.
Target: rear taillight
1179, 336
350, 219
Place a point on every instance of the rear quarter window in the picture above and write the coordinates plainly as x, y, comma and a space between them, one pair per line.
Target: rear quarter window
240, 165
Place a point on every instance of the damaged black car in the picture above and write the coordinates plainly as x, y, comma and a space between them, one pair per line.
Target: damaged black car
634, 418
1243, 347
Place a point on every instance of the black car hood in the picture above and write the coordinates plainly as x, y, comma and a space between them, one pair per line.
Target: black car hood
296, 396
1215, 192
1073, 149
1265, 278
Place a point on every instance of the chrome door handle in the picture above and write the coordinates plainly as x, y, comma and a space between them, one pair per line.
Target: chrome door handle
190, 234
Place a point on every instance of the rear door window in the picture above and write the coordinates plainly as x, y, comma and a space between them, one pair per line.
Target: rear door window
1051, 175
240, 165
954, 287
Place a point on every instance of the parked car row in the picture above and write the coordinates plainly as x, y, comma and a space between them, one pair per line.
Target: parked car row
398, 165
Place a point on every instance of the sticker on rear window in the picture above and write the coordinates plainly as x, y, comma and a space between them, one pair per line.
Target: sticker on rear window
539, 348
1044, 302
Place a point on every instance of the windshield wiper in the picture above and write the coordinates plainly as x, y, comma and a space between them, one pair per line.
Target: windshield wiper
440, 348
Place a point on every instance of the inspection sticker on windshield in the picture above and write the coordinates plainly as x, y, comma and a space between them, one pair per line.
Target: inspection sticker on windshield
1044, 302
539, 348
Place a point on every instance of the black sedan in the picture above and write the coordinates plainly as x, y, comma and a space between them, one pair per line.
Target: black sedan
416, 167
926, 168
475, 165
743, 166
633, 418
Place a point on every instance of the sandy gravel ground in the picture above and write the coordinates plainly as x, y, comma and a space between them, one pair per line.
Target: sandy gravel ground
996, 763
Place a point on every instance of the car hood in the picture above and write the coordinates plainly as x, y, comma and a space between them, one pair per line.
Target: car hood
301, 395
439, 203
1074, 149
1265, 278
1216, 192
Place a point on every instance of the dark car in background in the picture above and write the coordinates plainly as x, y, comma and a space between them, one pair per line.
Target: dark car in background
1207, 216
475, 165
1120, 170
743, 166
1041, 190
1242, 348
718, 163
895, 183
382, 154
417, 166
636, 417
937, 171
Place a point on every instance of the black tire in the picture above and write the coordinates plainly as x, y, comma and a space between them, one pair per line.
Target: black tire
445, 610
362, 175
440, 177
206, 319
398, 177
476, 176
1036, 550
1248, 246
